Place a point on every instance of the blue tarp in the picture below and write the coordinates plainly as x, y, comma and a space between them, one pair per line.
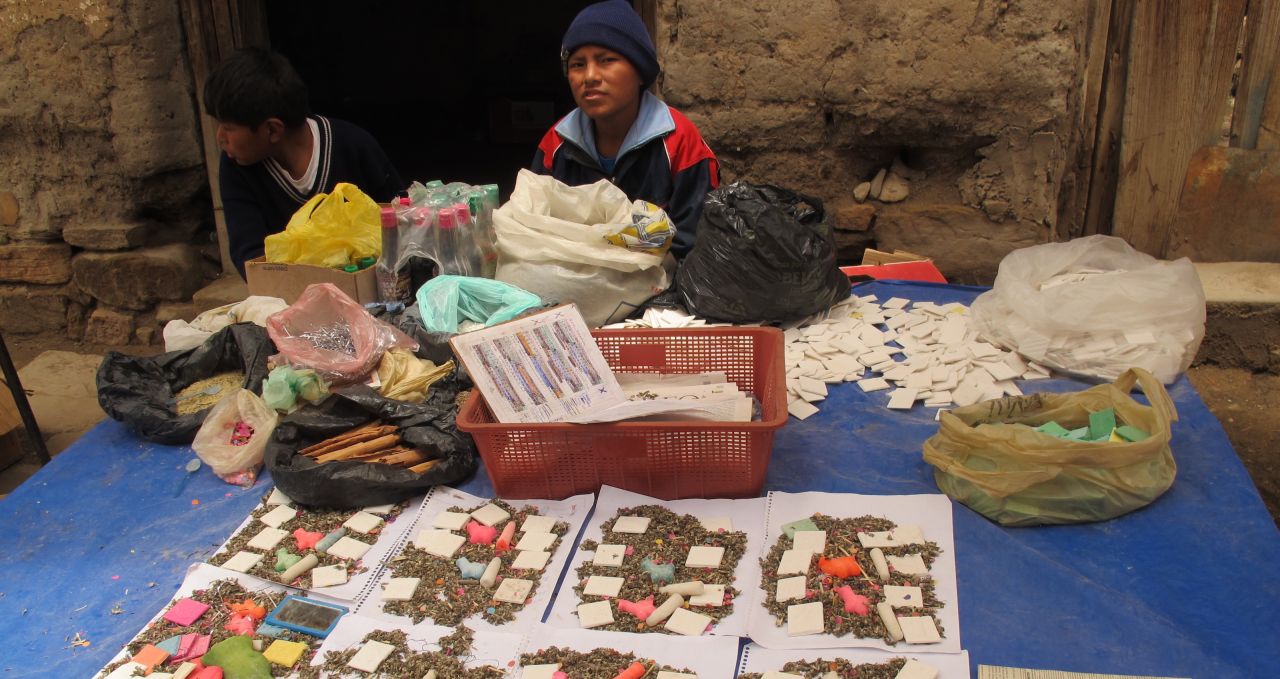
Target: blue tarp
1188, 587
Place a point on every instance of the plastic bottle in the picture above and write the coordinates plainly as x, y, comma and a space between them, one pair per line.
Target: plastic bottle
449, 247
392, 287
467, 240
482, 233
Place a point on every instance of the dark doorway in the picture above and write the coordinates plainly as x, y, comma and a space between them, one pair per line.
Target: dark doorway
458, 91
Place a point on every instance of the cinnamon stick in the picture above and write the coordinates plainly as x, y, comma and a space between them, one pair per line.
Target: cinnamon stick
360, 448
420, 468
344, 440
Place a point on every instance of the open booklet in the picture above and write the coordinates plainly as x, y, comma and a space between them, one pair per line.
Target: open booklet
546, 367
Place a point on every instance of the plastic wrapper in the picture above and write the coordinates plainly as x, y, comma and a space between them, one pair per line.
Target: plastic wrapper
329, 332
553, 242
286, 388
428, 427
405, 377
763, 253
330, 230
234, 437
138, 390
1095, 307
446, 300
1017, 476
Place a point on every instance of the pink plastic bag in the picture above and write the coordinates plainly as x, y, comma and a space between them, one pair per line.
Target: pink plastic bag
329, 332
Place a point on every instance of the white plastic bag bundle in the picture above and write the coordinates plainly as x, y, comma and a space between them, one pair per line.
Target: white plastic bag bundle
215, 444
179, 334
1095, 307
552, 242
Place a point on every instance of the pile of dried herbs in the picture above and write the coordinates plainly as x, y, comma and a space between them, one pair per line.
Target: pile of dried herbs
447, 599
667, 540
602, 663
813, 669
448, 662
842, 540
218, 596
314, 520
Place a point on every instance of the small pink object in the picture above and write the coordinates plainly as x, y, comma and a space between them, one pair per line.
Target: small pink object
508, 532
240, 624
559, 675
307, 539
208, 673
480, 534
192, 646
185, 612
640, 609
854, 602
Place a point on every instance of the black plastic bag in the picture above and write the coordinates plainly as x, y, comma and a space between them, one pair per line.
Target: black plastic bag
136, 390
763, 253
428, 427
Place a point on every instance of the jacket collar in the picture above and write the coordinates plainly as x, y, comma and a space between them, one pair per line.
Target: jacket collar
654, 120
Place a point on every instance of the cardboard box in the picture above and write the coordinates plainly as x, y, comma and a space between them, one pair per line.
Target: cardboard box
287, 281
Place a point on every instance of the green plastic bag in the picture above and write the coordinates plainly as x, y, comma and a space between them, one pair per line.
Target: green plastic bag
1017, 476
285, 385
444, 301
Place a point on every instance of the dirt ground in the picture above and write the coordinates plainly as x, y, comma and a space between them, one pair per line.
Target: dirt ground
1246, 403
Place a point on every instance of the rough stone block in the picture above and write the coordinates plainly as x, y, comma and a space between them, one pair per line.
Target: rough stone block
108, 326
138, 279
42, 263
108, 236
8, 209
175, 311
853, 217
228, 289
963, 242
26, 310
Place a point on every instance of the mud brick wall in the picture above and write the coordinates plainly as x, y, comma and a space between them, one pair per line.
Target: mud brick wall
981, 100
102, 185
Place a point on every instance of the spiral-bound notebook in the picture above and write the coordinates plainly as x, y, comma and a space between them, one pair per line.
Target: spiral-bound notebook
756, 658
996, 672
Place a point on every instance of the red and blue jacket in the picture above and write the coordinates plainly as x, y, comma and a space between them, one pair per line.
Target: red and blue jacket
662, 160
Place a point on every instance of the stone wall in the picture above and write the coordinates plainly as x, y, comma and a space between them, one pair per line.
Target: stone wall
979, 98
102, 181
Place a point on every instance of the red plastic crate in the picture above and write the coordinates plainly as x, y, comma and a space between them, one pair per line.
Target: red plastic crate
667, 460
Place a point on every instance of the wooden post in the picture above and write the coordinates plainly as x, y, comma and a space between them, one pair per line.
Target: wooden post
214, 29
1073, 199
1179, 78
1255, 123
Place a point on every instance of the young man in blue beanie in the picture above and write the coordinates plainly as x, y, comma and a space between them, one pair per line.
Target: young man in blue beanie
276, 156
620, 131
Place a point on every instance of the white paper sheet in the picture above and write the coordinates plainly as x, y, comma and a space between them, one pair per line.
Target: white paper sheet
708, 657
544, 367
393, 535
748, 516
932, 513
756, 658
201, 576
573, 511
497, 649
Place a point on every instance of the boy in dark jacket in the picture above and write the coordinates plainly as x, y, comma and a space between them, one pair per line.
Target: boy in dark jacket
621, 132
275, 155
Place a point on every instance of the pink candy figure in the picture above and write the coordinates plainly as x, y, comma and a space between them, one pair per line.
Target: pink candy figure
508, 532
480, 534
641, 609
240, 624
559, 675
854, 602
307, 539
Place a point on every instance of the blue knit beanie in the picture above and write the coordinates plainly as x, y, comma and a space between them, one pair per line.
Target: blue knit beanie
614, 25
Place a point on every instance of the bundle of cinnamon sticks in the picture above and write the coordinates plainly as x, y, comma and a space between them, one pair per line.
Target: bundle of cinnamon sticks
374, 443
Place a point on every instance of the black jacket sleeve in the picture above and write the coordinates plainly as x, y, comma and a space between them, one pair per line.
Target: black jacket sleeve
246, 219
689, 189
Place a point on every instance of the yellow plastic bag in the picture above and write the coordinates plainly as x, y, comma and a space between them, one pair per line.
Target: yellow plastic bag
330, 230
406, 377
1020, 477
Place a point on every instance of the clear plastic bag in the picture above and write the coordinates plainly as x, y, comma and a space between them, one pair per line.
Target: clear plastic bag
1017, 476
234, 437
329, 332
552, 241
446, 300
1095, 307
